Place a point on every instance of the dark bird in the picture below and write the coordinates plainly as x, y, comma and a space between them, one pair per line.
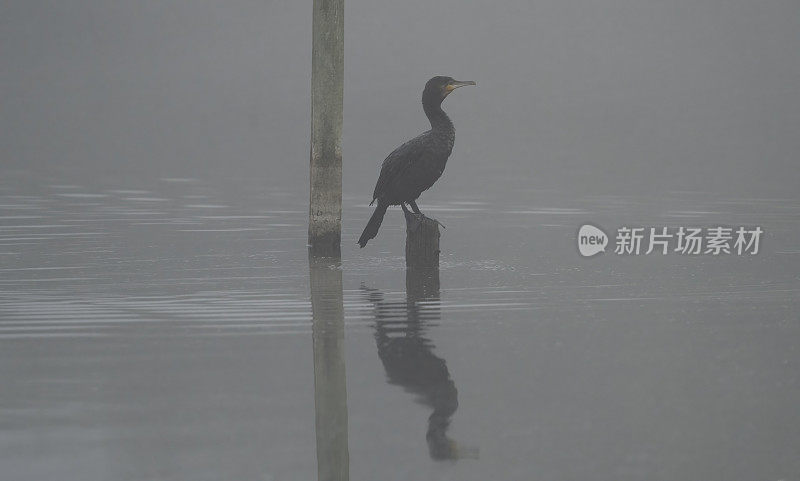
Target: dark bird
416, 165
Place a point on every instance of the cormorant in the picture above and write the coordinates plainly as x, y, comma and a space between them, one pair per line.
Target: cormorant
414, 166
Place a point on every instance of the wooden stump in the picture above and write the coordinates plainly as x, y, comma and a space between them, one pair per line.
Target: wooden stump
422, 284
422, 241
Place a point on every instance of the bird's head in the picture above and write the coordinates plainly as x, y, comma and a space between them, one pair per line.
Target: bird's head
440, 87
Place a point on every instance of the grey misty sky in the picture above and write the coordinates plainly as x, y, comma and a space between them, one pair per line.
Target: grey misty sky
600, 94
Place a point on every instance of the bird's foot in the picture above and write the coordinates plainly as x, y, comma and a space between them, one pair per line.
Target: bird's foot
440, 224
423, 217
415, 219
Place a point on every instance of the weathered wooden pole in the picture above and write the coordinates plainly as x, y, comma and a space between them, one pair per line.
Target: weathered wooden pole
327, 82
422, 242
330, 386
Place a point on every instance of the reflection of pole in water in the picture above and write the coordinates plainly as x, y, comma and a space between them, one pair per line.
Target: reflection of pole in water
330, 389
408, 358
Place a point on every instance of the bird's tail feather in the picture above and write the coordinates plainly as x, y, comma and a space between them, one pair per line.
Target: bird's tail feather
371, 230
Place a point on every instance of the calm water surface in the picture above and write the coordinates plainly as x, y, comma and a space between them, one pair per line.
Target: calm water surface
165, 328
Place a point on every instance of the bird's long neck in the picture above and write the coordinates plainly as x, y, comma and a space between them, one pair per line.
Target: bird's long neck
440, 122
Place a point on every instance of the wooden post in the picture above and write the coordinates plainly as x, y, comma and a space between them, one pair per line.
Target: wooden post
422, 242
327, 83
330, 386
422, 283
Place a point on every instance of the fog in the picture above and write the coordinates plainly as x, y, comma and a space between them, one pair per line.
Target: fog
608, 96
160, 317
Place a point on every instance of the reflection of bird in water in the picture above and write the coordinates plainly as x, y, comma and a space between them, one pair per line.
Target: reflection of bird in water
414, 166
409, 361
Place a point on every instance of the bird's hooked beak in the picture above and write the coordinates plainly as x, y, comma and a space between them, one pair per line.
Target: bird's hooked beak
456, 84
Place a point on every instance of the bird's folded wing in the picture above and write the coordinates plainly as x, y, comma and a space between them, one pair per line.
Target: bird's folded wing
397, 164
